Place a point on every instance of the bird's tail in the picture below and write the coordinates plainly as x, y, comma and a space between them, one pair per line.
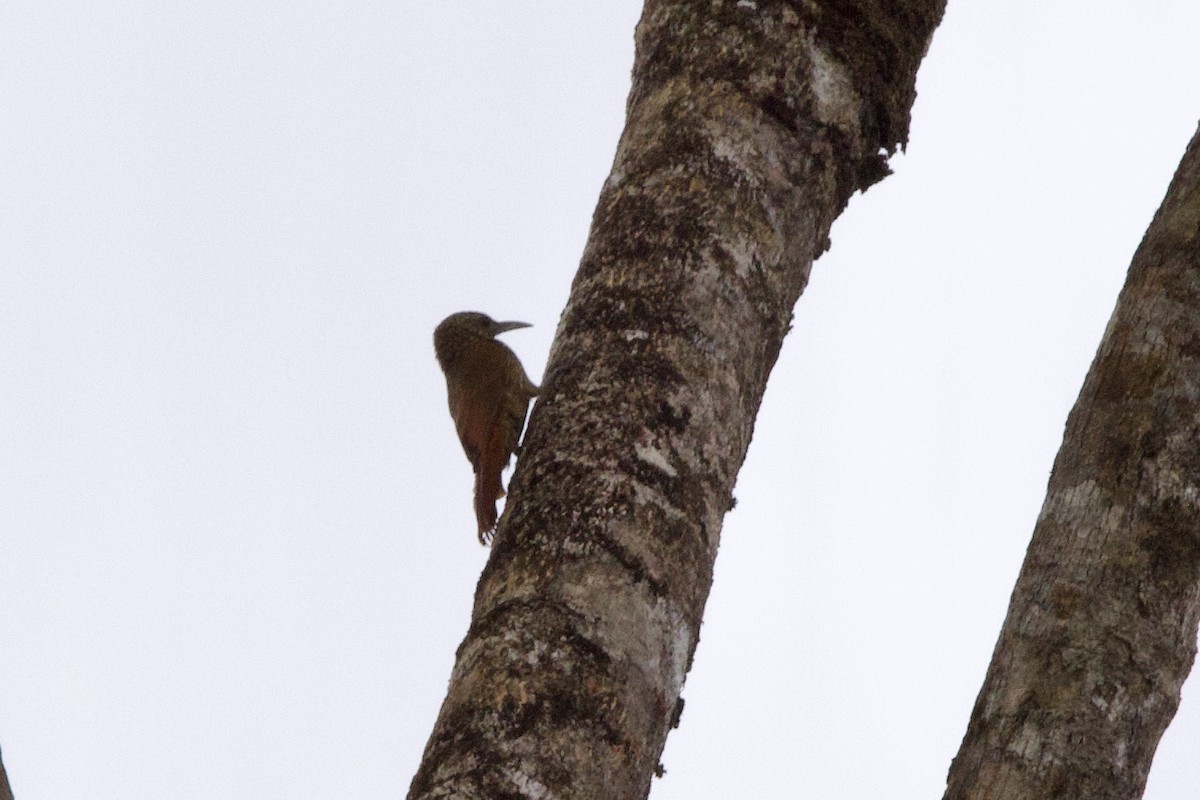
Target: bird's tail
488, 490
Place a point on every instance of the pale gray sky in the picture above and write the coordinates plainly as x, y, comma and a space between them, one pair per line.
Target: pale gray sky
239, 547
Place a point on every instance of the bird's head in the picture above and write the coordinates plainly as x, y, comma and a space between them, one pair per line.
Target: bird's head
478, 324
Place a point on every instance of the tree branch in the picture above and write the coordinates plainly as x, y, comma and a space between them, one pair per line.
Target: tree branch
1101, 628
5, 788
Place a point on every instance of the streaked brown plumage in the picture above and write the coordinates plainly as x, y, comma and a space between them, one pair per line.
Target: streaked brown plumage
489, 393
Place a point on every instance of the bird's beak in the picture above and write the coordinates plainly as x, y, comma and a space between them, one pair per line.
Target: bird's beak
501, 327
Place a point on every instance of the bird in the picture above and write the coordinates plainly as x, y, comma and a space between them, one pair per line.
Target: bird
489, 393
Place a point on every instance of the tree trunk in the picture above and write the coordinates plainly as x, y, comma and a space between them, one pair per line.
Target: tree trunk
1101, 628
749, 125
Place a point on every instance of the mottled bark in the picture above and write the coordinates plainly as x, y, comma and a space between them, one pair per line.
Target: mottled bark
749, 125
1101, 628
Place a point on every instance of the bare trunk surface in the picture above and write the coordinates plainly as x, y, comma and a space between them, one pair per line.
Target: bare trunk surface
1101, 628
749, 126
